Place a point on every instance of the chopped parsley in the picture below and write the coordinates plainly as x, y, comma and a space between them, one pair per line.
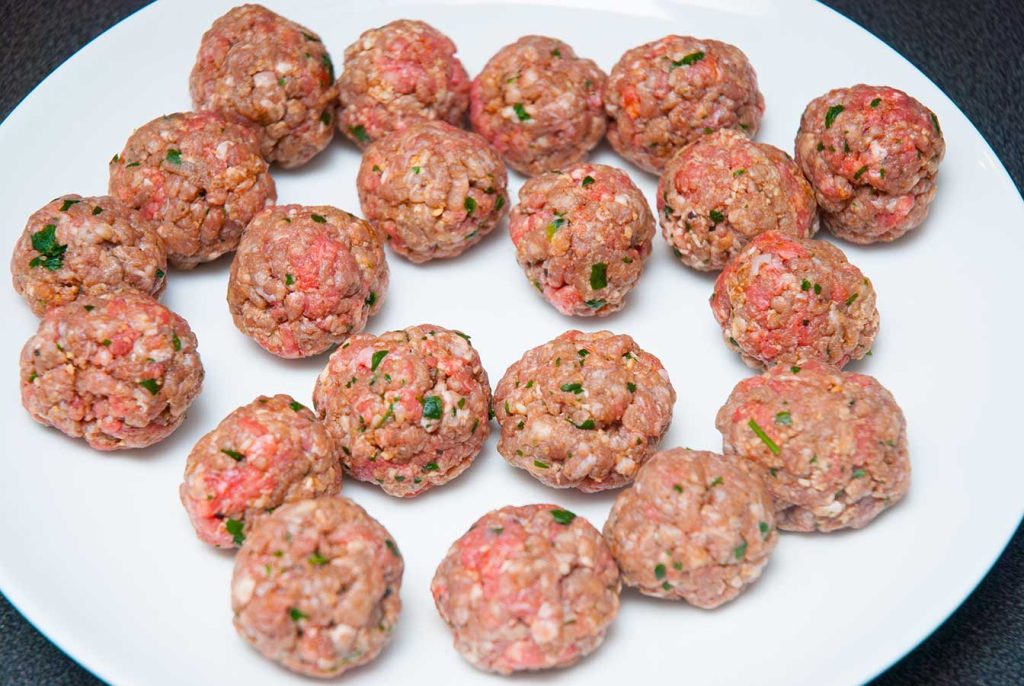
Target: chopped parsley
740, 550
317, 559
765, 529
97, 210
159, 273
431, 467
392, 547
687, 60
463, 335
716, 217
371, 298
860, 172
325, 117
51, 253
587, 425
659, 571
556, 53
556, 223
598, 275
677, 488
935, 123
595, 304
876, 102
296, 405
289, 279
805, 285
499, 203
631, 387
521, 112
572, 388
318, 218
415, 170
739, 172
387, 415
784, 418
831, 114
233, 454
587, 180
151, 385
540, 465
851, 299
432, 407
765, 438
296, 614
174, 156
375, 360
89, 308
469, 204
717, 481
817, 289
235, 527
67, 204
795, 369
563, 517
859, 473
105, 342
325, 60
359, 132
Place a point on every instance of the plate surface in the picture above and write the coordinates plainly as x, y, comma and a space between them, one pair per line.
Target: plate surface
97, 551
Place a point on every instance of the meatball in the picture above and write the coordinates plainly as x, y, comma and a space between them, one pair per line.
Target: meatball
305, 278
785, 299
433, 189
86, 246
584, 410
666, 94
199, 176
264, 454
582, 236
831, 445
256, 67
694, 526
119, 371
397, 74
539, 104
408, 409
527, 588
871, 153
316, 586
722, 190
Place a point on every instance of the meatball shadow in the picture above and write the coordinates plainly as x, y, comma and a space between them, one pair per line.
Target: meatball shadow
178, 445
339, 145
569, 498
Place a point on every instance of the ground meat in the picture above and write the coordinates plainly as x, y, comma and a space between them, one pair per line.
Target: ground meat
527, 588
264, 454
305, 278
666, 94
831, 445
199, 176
257, 67
785, 299
584, 410
695, 525
408, 409
397, 74
722, 190
86, 246
582, 236
539, 104
316, 586
433, 189
119, 370
872, 154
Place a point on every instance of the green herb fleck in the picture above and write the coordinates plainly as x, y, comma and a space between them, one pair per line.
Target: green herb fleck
876, 102
765, 529
159, 273
469, 204
805, 285
935, 123
716, 217
97, 210
151, 385
106, 342
677, 488
739, 172
235, 527
859, 473
795, 369
784, 418
817, 289
431, 467
521, 112
772, 446
659, 571
318, 218
51, 253
563, 517
325, 117
556, 52
860, 172
296, 614
831, 114
851, 299
631, 387
555, 225
175, 342
740, 550
360, 133
67, 204
132, 164
598, 276
289, 279
717, 481
540, 465
371, 298
692, 58
317, 559
572, 388
587, 180
174, 156
392, 547
233, 454
432, 407
295, 405
595, 304
499, 203
375, 360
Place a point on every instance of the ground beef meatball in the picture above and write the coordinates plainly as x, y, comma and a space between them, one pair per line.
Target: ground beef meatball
722, 190
86, 246
397, 74
831, 445
316, 586
199, 176
433, 189
665, 94
582, 236
784, 299
539, 104
119, 370
305, 278
584, 410
872, 154
694, 526
408, 409
264, 454
257, 67
527, 588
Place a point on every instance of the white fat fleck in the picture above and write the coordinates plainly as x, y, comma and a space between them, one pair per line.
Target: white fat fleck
241, 590
264, 79
757, 262
581, 468
222, 149
342, 636
284, 67
833, 508
626, 466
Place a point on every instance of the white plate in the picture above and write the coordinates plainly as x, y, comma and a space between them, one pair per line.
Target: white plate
98, 553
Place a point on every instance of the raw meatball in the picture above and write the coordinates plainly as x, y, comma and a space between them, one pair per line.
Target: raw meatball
722, 190
397, 74
665, 94
316, 586
539, 104
86, 246
785, 299
264, 454
582, 236
305, 278
871, 153
584, 410
527, 588
408, 409
694, 525
199, 176
119, 370
831, 445
433, 189
257, 67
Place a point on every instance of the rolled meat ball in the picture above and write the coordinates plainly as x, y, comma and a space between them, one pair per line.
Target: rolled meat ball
872, 154
694, 526
316, 587
119, 371
830, 445
305, 278
265, 454
583, 411
527, 588
539, 104
432, 189
582, 236
90, 246
256, 67
722, 190
784, 299
408, 409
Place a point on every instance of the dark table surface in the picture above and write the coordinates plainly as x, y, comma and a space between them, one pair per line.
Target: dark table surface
971, 50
